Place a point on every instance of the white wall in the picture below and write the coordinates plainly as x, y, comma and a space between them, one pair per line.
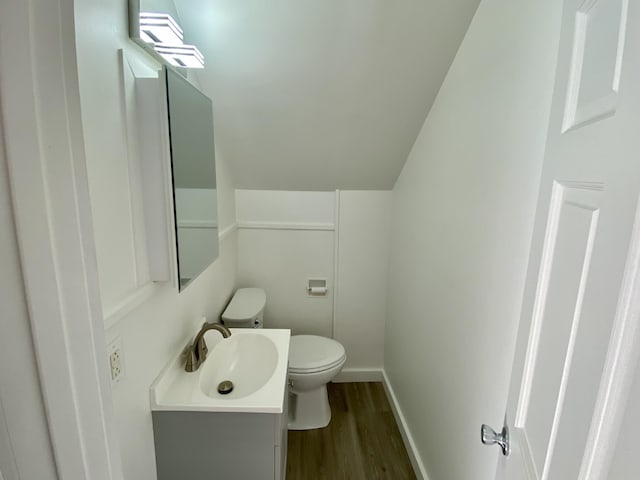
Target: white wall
363, 260
463, 210
284, 238
152, 321
281, 208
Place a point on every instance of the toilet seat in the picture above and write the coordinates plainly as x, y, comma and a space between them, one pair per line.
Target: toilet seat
313, 354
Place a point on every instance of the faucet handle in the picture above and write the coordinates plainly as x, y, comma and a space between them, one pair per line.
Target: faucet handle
191, 364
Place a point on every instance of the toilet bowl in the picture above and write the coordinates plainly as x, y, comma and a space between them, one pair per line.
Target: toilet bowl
313, 361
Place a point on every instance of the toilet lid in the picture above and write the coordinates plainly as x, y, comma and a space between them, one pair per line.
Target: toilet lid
311, 353
245, 305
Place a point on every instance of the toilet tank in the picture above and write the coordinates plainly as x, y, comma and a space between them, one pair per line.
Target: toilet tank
245, 309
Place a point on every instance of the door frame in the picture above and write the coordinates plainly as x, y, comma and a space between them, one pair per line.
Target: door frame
47, 174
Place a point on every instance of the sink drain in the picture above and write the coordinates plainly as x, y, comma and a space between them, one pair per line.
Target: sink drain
225, 387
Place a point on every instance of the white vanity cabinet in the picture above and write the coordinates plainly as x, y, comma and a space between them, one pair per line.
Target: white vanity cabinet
220, 445
202, 434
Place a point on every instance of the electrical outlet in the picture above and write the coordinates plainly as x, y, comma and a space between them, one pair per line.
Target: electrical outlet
116, 361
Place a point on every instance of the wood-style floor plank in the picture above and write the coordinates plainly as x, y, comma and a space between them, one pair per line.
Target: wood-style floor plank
362, 442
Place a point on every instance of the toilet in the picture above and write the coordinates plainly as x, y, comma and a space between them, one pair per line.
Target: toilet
313, 361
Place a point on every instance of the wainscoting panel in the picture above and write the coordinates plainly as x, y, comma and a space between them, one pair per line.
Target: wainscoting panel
280, 262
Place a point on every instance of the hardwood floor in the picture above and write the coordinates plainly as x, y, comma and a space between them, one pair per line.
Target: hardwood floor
362, 442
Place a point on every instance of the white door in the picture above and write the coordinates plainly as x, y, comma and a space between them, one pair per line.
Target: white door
575, 349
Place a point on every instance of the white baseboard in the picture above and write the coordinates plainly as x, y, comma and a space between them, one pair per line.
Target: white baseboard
359, 375
416, 461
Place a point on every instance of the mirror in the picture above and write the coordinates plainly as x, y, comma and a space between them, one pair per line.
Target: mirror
194, 176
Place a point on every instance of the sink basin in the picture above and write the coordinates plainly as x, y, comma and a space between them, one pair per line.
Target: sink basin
254, 360
248, 361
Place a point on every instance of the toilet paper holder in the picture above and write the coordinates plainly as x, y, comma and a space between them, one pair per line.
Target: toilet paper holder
317, 287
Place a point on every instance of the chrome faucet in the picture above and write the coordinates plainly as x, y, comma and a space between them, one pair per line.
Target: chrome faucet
197, 353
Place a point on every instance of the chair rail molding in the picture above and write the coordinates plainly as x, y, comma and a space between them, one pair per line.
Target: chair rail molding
309, 226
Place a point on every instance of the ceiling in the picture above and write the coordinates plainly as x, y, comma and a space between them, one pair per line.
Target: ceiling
321, 94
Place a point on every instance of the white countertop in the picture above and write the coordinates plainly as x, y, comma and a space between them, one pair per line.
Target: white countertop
177, 390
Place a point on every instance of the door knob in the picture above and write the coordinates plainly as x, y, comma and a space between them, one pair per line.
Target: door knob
489, 437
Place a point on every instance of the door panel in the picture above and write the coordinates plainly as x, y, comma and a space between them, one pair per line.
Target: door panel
597, 54
575, 320
569, 247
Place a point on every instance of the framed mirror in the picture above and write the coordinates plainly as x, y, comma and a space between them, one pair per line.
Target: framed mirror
193, 176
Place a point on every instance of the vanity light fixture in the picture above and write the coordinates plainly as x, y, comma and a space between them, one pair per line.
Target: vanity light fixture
185, 56
160, 28
166, 36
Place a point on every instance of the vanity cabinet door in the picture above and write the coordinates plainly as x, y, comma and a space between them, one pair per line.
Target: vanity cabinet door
214, 445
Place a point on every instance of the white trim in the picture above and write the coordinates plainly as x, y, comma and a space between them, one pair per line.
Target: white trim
138, 240
47, 172
336, 261
25, 445
405, 432
206, 224
621, 362
157, 191
622, 35
349, 375
136, 298
226, 231
243, 225
553, 219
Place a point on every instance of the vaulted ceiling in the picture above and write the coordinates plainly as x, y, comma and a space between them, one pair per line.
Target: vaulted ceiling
321, 94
